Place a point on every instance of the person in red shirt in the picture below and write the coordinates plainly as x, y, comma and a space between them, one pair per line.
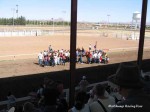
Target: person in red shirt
63, 59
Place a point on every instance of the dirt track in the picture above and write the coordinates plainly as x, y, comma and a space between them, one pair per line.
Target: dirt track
21, 52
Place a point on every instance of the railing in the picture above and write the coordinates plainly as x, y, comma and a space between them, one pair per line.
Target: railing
3, 104
17, 100
25, 33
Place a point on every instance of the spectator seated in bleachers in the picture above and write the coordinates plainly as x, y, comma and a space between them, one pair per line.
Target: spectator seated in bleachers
50, 101
80, 103
61, 98
40, 91
11, 100
53, 97
29, 107
83, 84
102, 102
130, 85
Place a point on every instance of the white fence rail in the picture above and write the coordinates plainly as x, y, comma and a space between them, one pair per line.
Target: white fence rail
20, 33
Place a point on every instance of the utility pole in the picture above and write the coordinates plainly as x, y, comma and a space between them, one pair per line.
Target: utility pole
53, 24
17, 13
108, 20
13, 9
17, 10
64, 12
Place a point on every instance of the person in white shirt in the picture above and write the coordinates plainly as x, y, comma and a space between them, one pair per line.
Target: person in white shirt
45, 53
40, 58
98, 56
95, 57
102, 103
55, 59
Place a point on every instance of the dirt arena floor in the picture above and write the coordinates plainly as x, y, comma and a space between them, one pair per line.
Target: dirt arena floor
18, 55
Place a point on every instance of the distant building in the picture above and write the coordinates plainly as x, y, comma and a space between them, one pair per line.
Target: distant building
96, 26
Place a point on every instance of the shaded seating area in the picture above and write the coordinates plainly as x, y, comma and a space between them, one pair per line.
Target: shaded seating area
104, 93
35, 101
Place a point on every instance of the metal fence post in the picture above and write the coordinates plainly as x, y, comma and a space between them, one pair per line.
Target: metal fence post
73, 51
142, 33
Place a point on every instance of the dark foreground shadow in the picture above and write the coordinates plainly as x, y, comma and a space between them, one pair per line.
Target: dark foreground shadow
22, 85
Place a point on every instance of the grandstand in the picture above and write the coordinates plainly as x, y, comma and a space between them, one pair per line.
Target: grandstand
70, 77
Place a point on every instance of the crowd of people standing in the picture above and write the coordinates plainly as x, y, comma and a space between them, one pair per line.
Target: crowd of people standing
53, 57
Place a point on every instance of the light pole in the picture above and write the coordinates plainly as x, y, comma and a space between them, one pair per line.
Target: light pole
108, 20
13, 9
63, 18
17, 13
17, 10
53, 24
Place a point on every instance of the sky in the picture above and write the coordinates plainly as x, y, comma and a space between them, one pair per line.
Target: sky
88, 10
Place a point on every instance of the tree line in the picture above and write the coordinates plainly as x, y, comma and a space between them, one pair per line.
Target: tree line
13, 21
22, 21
